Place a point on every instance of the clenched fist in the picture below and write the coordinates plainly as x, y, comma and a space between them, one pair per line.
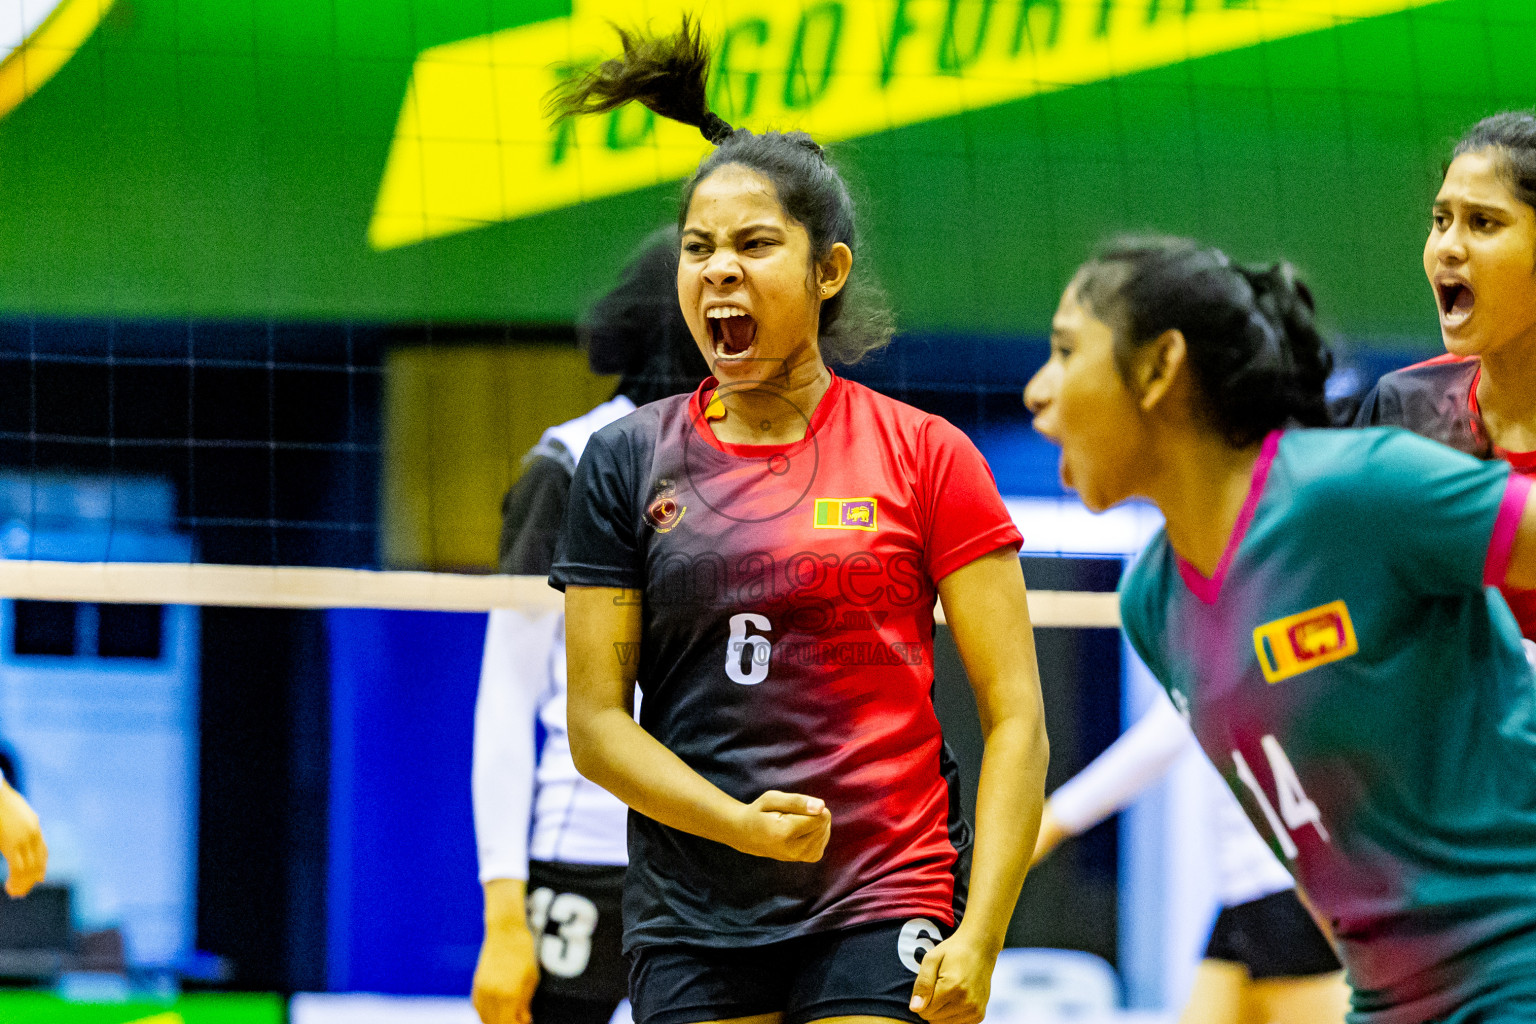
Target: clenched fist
784, 826
508, 970
21, 842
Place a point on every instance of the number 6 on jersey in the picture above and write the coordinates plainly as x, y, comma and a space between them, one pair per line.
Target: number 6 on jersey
747, 654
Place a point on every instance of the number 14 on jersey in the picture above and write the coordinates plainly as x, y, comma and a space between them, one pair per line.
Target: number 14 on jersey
1296, 808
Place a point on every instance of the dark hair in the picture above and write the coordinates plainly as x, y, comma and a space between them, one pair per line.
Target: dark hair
1254, 349
1512, 137
669, 76
637, 329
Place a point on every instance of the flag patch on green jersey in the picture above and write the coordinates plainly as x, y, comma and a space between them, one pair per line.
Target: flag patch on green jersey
1299, 643
845, 514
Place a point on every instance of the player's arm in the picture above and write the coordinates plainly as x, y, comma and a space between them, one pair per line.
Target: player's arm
507, 973
602, 644
21, 842
1116, 777
512, 675
986, 607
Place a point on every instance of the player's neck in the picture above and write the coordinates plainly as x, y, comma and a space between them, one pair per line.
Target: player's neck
1506, 396
774, 412
1201, 487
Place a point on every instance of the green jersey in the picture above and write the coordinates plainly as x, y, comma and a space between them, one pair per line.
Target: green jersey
1353, 672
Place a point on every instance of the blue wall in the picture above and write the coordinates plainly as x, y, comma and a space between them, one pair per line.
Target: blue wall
404, 904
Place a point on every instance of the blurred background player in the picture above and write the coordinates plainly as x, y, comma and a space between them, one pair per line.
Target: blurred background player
1319, 606
541, 828
763, 558
1266, 962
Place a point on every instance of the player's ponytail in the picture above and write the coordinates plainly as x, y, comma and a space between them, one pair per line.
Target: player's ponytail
667, 74
1511, 136
1253, 345
670, 76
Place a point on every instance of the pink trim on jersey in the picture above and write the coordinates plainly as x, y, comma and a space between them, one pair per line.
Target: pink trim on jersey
1503, 543
1208, 590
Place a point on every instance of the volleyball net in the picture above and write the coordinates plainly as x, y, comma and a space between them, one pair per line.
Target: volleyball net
306, 587
306, 380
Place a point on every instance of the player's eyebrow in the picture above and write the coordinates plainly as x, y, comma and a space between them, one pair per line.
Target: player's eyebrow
767, 227
1492, 206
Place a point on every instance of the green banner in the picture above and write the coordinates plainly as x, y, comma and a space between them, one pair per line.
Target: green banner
32, 1008
474, 146
384, 161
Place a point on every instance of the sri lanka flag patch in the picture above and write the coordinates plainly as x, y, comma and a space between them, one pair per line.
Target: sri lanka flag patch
845, 513
1299, 643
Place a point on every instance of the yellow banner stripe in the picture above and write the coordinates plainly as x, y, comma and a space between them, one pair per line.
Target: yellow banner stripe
472, 146
47, 49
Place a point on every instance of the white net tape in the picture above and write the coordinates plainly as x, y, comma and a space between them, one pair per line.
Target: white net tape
293, 587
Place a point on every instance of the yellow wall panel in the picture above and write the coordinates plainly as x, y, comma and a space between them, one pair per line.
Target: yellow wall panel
458, 420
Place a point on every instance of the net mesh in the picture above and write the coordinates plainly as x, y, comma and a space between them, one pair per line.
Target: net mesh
319, 322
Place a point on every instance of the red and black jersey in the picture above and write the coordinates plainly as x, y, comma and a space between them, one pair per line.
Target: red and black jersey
787, 644
1438, 399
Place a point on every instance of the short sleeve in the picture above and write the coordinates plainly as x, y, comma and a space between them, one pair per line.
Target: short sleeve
599, 543
1444, 519
964, 516
531, 514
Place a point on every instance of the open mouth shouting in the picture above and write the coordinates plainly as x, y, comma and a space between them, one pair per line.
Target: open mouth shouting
731, 331
1456, 301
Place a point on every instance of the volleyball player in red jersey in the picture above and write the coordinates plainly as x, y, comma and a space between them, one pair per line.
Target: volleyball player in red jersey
763, 558
1480, 396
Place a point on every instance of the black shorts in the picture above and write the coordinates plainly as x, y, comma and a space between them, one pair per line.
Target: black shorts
573, 910
1272, 937
868, 970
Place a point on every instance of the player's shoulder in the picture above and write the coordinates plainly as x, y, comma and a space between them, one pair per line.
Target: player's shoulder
1329, 471
1144, 593
639, 430
896, 422
1442, 368
1147, 575
595, 418
564, 443
1432, 398
1321, 456
1321, 452
863, 400
1331, 451
1434, 388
